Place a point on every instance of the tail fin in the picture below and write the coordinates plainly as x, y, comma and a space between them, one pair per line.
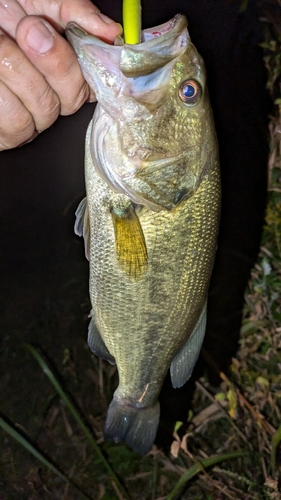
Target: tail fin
136, 426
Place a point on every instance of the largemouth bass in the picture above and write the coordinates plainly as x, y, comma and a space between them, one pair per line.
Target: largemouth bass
151, 216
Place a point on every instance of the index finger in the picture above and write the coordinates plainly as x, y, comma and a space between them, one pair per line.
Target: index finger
82, 12
10, 15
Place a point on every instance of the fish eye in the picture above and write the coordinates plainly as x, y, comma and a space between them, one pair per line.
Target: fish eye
190, 91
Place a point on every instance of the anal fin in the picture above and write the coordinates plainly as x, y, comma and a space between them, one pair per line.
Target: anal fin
130, 243
82, 224
184, 361
96, 343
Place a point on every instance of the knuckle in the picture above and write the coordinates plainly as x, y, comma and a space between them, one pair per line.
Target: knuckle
75, 100
69, 83
8, 48
4, 144
48, 109
4, 41
22, 120
16, 117
16, 124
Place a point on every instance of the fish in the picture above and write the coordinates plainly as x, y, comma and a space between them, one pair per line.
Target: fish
150, 217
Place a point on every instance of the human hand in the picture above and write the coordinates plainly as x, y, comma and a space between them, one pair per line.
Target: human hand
39, 74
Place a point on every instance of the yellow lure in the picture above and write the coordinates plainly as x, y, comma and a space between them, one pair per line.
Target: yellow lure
132, 21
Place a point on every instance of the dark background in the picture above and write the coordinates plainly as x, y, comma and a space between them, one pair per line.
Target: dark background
42, 266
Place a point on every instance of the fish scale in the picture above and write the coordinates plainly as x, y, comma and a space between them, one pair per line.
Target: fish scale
119, 299
152, 213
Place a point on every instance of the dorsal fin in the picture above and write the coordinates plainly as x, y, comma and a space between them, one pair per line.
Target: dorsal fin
130, 243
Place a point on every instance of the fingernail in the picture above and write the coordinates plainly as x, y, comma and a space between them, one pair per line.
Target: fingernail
121, 28
40, 39
106, 19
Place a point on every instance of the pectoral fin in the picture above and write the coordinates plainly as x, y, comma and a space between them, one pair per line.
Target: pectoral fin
130, 243
184, 362
96, 343
82, 225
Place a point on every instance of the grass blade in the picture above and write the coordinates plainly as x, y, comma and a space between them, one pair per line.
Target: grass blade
46, 370
199, 467
276, 438
34, 451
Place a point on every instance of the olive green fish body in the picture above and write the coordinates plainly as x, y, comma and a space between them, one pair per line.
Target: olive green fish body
151, 219
144, 322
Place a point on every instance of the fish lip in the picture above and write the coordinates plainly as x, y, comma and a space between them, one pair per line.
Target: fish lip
148, 35
74, 32
159, 45
74, 28
179, 22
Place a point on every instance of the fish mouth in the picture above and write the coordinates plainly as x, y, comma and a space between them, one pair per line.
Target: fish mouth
169, 29
158, 46
178, 20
